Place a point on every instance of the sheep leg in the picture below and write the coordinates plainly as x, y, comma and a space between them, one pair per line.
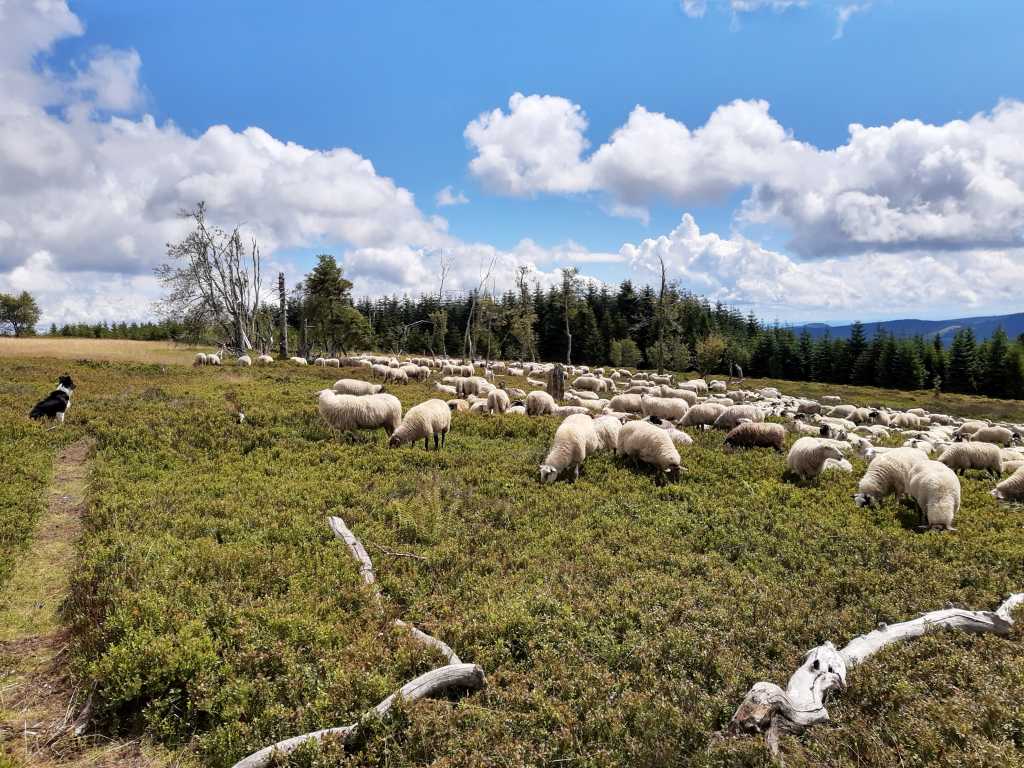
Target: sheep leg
437, 440
444, 436
426, 443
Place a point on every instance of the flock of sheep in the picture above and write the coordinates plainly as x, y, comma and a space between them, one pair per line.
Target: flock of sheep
643, 418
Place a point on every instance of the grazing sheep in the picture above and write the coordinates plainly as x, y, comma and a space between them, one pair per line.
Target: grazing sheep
539, 403
298, 361
200, 359
643, 441
322, 362
968, 428
963, 456
683, 394
583, 394
997, 435
607, 428
627, 403
671, 408
842, 411
717, 386
498, 401
356, 387
1012, 488
396, 376
568, 410
702, 415
808, 456
1010, 467
244, 361
265, 360
349, 412
593, 383
444, 388
575, 438
518, 409
333, 362
594, 406
677, 435
697, 385
936, 489
536, 383
429, 419
909, 421
831, 400
731, 416
750, 434
879, 418
458, 405
887, 474
837, 465
213, 359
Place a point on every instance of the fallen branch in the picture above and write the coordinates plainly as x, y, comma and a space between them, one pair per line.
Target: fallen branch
432, 642
469, 677
769, 709
393, 553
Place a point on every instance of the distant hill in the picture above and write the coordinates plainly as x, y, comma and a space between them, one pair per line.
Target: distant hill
983, 327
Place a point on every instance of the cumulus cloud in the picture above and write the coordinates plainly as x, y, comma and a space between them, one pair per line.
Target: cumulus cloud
843, 14
110, 80
448, 196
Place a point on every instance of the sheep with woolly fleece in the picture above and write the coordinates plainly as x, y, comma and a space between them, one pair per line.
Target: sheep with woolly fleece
936, 489
265, 360
213, 359
887, 474
645, 442
831, 400
200, 359
752, 434
356, 387
244, 361
498, 401
321, 362
963, 456
687, 395
517, 409
1012, 488
676, 435
350, 412
837, 465
909, 421
996, 435
969, 427
298, 361
607, 428
731, 416
458, 404
574, 440
569, 410
696, 385
1011, 454
539, 403
445, 389
536, 383
583, 394
515, 393
808, 456
626, 403
396, 376
702, 415
593, 406
670, 408
516, 372
717, 386
809, 407
879, 418
842, 411
431, 418
663, 379
593, 383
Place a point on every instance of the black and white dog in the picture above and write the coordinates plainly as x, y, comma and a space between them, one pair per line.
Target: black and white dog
56, 404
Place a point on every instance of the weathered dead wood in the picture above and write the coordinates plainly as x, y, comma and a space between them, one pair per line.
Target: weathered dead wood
466, 677
433, 642
769, 709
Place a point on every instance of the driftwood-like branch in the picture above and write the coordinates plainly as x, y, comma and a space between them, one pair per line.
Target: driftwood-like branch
769, 709
466, 677
432, 642
395, 553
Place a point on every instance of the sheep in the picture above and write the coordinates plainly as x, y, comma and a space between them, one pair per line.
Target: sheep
458, 405
641, 440
936, 489
627, 403
697, 385
731, 416
1012, 488
518, 409
887, 474
996, 435
607, 428
396, 376
717, 386
837, 465
245, 361
879, 418
583, 394
909, 421
213, 359
349, 412
963, 456
333, 362
831, 400
683, 394
568, 410
842, 411
514, 393
575, 438
298, 361
670, 408
594, 406
320, 362
444, 388
676, 435
356, 387
593, 383
265, 360
539, 403
702, 415
968, 428
808, 456
750, 434
200, 359
431, 418
536, 383
498, 401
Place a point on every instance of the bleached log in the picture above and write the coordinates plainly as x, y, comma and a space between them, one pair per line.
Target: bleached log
769, 709
468, 677
431, 642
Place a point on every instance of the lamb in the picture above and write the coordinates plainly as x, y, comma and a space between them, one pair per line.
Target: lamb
265, 360
750, 434
1012, 488
627, 403
731, 416
702, 415
887, 474
349, 412
607, 428
539, 403
429, 419
963, 456
245, 361
996, 435
641, 440
575, 438
670, 408
356, 387
936, 489
808, 457
200, 359
498, 401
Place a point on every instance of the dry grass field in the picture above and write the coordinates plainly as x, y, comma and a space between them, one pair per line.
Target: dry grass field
111, 350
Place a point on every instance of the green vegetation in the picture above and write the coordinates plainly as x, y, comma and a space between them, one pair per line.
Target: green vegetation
619, 623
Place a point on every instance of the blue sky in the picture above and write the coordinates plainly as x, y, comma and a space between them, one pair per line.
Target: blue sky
397, 83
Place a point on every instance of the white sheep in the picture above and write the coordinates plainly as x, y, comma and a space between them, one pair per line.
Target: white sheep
963, 456
350, 412
643, 441
356, 387
837, 465
936, 489
607, 428
458, 405
593, 383
997, 435
200, 359
575, 438
265, 360
626, 403
498, 401
670, 408
731, 416
321, 362
888, 474
1012, 488
445, 389
213, 359
332, 362
702, 415
808, 456
245, 361
298, 361
683, 394
539, 403
432, 418
536, 383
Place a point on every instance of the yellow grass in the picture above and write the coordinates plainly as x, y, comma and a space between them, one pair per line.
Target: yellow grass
120, 350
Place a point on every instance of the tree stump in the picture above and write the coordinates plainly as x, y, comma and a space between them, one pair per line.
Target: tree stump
556, 382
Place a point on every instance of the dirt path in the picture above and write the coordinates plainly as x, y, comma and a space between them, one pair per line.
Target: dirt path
40, 705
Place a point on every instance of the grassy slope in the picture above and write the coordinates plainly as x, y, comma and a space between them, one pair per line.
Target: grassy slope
619, 623
59, 348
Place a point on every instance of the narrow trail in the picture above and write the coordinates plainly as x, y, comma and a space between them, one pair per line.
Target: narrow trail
39, 702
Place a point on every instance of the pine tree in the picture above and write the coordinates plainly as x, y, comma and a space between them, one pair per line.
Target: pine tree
963, 362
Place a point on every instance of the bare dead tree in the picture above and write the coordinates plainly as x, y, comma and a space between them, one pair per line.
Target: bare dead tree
467, 344
569, 280
283, 307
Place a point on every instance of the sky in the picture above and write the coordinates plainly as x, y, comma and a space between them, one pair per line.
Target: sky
807, 160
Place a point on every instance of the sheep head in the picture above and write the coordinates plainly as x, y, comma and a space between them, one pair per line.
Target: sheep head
548, 474
864, 500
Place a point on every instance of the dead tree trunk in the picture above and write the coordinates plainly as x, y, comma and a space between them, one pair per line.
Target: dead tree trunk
283, 301
556, 382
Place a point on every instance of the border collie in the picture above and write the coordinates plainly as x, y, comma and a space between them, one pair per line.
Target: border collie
56, 404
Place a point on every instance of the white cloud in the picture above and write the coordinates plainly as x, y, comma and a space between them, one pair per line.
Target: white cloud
448, 196
843, 14
697, 8
110, 80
